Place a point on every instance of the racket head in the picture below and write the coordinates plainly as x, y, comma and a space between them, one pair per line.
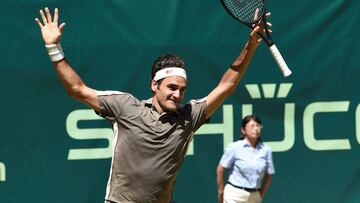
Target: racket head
245, 11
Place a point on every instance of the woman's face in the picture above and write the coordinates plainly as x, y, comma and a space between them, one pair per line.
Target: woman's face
252, 130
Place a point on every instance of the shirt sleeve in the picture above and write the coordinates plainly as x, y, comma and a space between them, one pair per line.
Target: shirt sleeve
270, 168
198, 113
111, 103
228, 158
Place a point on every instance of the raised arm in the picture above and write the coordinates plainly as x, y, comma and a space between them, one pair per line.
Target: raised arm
233, 75
51, 34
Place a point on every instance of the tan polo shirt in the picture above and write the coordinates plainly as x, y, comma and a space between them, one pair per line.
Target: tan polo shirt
148, 147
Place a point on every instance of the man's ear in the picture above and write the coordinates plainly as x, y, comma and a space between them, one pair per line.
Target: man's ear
154, 85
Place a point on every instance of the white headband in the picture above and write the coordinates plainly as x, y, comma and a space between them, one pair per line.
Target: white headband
171, 71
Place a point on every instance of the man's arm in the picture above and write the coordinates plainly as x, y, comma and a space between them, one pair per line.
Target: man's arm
233, 75
75, 87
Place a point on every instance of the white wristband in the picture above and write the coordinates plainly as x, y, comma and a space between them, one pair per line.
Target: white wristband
55, 52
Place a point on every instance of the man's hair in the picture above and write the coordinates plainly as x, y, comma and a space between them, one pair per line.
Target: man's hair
166, 61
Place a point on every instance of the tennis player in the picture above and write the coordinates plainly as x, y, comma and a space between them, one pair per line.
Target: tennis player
151, 136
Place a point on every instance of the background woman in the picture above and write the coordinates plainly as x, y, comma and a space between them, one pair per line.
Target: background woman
250, 163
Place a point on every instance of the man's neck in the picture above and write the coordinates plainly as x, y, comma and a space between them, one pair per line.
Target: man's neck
156, 106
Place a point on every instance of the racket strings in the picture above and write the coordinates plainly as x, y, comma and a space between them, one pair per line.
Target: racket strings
246, 10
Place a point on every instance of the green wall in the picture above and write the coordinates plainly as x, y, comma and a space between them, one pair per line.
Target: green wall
54, 149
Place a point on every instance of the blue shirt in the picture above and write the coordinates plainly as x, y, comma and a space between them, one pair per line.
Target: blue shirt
248, 165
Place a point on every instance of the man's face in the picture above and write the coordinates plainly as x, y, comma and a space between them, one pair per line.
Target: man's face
169, 93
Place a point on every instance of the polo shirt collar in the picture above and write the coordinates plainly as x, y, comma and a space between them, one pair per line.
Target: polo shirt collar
148, 103
259, 144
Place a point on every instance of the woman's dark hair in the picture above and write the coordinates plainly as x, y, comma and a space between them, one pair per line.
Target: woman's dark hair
166, 61
246, 120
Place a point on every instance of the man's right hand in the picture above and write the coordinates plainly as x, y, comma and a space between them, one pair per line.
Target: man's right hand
50, 30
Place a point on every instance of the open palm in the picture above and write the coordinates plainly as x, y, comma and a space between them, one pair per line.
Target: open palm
50, 30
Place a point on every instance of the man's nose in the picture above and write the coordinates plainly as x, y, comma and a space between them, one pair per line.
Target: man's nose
177, 94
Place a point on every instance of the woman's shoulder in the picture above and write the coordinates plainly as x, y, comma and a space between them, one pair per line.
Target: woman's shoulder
266, 147
237, 143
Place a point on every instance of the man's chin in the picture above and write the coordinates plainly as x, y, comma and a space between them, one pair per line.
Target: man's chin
171, 108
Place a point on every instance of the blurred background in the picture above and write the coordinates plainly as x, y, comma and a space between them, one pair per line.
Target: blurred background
55, 149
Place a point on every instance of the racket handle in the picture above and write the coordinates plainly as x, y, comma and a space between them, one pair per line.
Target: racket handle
279, 60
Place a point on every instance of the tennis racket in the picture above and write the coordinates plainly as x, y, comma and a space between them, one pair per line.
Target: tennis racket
252, 11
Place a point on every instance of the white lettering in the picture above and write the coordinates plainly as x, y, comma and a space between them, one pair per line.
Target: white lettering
2, 172
308, 125
225, 128
357, 123
85, 134
289, 131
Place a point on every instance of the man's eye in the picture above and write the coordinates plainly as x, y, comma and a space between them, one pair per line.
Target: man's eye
173, 88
